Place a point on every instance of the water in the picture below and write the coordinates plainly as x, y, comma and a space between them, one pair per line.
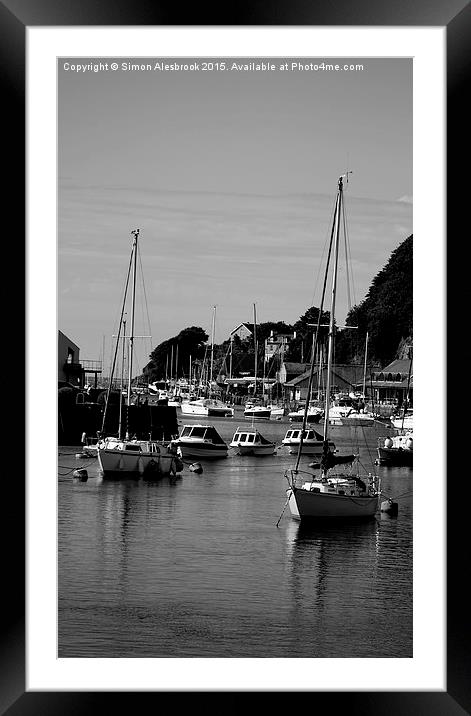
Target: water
196, 567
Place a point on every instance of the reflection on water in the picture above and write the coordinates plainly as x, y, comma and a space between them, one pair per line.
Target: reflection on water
197, 568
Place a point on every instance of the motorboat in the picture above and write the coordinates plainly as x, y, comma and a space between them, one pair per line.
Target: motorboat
200, 441
312, 441
249, 441
207, 407
396, 450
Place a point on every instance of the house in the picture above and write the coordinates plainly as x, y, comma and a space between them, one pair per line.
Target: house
288, 371
344, 380
70, 368
243, 331
393, 384
277, 344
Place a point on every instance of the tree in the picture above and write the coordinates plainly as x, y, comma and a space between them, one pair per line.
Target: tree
172, 357
301, 347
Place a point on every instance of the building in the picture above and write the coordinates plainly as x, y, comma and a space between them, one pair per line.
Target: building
344, 380
393, 384
243, 331
277, 344
70, 368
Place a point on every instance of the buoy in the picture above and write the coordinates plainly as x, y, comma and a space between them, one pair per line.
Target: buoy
196, 467
390, 507
81, 474
81, 455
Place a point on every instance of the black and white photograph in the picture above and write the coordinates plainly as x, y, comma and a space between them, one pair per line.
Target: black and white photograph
235, 356
243, 284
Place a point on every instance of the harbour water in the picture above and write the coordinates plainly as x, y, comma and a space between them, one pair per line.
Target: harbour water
196, 566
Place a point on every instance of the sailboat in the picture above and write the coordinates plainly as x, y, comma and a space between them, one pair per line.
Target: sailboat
356, 417
254, 408
325, 493
397, 450
126, 457
208, 406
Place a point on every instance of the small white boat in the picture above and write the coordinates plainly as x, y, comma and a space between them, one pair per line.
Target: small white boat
339, 410
200, 441
405, 421
358, 419
313, 442
134, 458
276, 411
314, 415
249, 441
396, 450
207, 407
258, 412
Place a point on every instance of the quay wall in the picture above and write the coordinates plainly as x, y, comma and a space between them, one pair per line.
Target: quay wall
75, 419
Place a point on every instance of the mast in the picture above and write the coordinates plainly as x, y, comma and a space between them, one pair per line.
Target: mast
131, 335
212, 350
364, 369
133, 306
122, 380
332, 308
255, 348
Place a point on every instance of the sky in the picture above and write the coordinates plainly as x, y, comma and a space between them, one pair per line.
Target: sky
231, 177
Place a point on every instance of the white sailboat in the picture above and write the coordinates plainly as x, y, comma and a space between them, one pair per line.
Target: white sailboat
208, 406
126, 457
360, 418
254, 408
326, 494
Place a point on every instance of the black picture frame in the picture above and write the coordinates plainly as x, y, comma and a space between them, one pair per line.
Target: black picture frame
15, 17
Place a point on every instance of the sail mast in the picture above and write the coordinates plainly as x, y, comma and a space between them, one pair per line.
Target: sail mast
255, 348
364, 370
122, 380
332, 308
131, 336
212, 350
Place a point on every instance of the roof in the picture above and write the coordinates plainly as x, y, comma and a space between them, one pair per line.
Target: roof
397, 366
345, 373
296, 368
248, 326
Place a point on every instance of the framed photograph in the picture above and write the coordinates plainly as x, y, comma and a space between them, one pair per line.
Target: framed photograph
227, 150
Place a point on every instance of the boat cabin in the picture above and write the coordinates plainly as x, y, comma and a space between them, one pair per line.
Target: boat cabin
249, 436
307, 435
206, 433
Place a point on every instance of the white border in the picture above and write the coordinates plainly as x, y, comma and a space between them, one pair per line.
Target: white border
426, 670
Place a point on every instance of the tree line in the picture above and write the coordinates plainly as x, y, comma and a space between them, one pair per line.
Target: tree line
385, 314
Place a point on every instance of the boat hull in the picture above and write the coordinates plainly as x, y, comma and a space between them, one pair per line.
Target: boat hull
395, 456
309, 505
313, 448
117, 463
255, 449
357, 422
201, 450
257, 414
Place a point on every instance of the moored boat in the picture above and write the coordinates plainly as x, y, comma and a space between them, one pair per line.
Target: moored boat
128, 458
200, 441
249, 441
312, 441
258, 412
329, 494
121, 456
396, 450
